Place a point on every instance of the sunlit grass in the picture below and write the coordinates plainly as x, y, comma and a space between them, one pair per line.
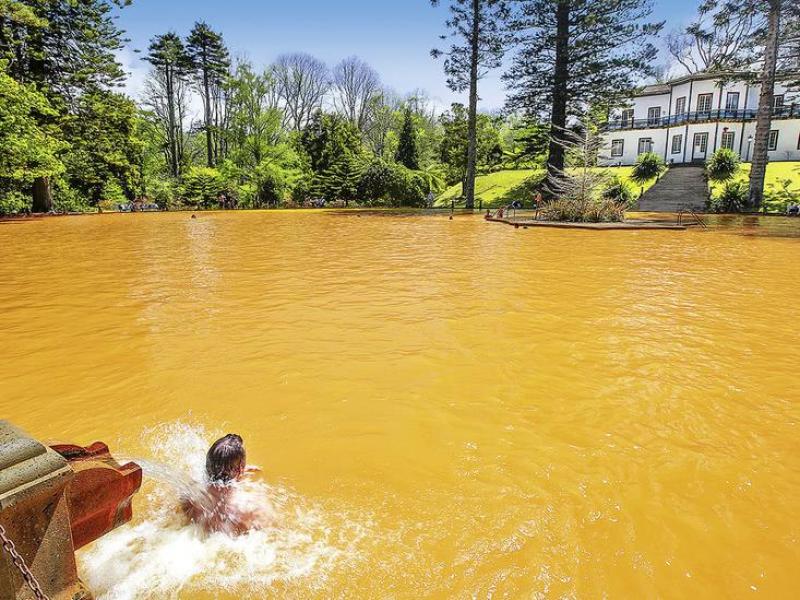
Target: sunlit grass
777, 172
503, 187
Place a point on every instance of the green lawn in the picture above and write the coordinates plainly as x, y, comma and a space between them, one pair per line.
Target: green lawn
777, 172
494, 189
503, 187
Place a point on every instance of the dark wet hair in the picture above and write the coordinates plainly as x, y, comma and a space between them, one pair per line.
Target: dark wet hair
226, 459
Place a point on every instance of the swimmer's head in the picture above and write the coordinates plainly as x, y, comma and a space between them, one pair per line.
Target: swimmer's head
226, 459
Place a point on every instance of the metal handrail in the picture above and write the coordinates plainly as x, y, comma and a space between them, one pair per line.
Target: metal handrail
686, 208
724, 114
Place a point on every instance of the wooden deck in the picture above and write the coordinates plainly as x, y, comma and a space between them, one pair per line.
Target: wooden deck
624, 226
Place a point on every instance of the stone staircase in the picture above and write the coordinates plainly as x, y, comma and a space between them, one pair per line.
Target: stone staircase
679, 188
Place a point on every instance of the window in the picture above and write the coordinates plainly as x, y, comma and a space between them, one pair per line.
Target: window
653, 115
677, 144
732, 101
798, 142
704, 102
728, 139
773, 140
777, 101
680, 105
616, 147
645, 145
627, 116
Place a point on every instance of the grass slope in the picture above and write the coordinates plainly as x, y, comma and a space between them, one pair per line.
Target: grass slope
502, 187
777, 172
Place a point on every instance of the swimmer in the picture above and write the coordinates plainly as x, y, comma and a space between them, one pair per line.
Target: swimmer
220, 510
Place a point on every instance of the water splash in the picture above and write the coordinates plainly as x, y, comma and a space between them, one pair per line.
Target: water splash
161, 557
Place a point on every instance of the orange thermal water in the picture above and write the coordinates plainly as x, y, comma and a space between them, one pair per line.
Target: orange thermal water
441, 408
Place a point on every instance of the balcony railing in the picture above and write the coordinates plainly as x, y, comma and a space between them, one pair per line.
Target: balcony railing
782, 112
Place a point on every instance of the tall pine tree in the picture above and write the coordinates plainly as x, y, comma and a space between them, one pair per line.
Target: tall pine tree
168, 56
575, 53
210, 63
477, 29
407, 148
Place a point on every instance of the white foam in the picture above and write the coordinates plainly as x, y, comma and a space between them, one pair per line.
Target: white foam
160, 556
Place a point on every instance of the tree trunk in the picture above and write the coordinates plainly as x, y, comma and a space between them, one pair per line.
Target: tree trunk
758, 169
472, 117
171, 137
42, 195
209, 141
558, 116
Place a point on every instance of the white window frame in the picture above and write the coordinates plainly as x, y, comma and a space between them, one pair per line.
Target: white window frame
677, 149
731, 137
728, 103
777, 101
654, 115
648, 143
772, 141
680, 105
701, 99
627, 116
615, 144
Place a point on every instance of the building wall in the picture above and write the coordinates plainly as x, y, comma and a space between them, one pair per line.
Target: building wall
787, 148
662, 137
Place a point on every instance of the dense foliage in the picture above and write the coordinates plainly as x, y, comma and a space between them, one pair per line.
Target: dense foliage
649, 165
732, 198
722, 165
212, 132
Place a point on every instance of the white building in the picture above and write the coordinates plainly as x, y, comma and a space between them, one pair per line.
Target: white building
687, 119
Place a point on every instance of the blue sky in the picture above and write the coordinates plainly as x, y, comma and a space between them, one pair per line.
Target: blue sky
394, 36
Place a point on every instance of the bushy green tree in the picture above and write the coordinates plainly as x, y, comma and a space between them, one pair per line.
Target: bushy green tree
65, 49
28, 149
105, 151
455, 143
262, 162
327, 139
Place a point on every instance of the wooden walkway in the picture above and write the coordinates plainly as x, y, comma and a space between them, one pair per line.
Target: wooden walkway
624, 226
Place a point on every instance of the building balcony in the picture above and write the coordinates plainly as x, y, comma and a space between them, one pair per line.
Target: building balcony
783, 112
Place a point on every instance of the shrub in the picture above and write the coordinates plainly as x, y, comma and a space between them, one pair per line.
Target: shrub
14, 202
722, 165
779, 200
163, 192
377, 182
409, 187
649, 165
619, 191
67, 199
732, 198
603, 210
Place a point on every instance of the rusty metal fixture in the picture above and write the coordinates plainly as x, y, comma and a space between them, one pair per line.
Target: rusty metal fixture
100, 493
52, 502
